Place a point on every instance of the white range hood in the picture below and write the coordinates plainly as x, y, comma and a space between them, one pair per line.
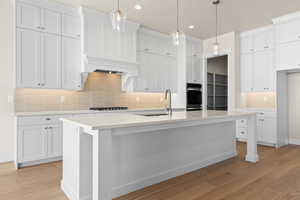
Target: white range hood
128, 70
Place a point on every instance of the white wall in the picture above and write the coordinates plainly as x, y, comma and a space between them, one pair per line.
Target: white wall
228, 44
6, 81
294, 107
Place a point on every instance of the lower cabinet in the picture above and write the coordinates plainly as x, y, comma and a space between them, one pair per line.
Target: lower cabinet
32, 143
265, 127
39, 140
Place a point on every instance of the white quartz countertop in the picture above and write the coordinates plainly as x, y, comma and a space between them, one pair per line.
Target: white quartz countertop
125, 120
70, 112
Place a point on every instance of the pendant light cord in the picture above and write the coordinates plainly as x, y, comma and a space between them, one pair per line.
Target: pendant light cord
217, 23
118, 4
177, 16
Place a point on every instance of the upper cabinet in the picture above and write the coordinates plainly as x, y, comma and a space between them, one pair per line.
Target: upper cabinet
71, 26
157, 58
42, 56
194, 61
287, 29
257, 66
102, 42
39, 19
257, 40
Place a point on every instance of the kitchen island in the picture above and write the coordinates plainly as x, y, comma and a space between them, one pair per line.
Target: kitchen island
117, 153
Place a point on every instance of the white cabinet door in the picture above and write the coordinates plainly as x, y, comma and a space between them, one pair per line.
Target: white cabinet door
54, 141
288, 31
28, 58
71, 26
189, 69
247, 72
71, 63
197, 69
51, 21
246, 44
263, 40
270, 134
32, 143
288, 56
51, 61
263, 71
28, 16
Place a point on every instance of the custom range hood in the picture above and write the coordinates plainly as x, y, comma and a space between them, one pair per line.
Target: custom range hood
128, 71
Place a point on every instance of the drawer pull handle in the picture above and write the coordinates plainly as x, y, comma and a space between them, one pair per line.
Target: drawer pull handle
48, 119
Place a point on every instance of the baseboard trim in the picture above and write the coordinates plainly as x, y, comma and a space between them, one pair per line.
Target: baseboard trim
142, 183
38, 162
294, 141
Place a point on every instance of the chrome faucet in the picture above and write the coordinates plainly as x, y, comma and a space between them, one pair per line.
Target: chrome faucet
169, 105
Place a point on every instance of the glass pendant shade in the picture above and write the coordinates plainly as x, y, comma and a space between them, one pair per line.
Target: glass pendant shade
118, 20
216, 48
176, 38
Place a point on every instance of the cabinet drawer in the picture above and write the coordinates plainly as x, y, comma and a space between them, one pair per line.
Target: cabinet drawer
242, 123
39, 120
242, 133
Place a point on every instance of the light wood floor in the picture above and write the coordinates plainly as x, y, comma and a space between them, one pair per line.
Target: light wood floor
275, 177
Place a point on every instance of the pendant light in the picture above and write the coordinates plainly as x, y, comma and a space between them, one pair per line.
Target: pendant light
118, 18
216, 46
176, 35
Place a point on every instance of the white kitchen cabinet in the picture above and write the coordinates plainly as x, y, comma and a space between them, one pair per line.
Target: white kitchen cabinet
194, 69
288, 56
265, 127
28, 16
194, 64
102, 42
288, 31
71, 26
246, 72
39, 19
71, 64
54, 141
28, 58
263, 71
51, 61
40, 46
50, 21
263, 39
156, 73
38, 59
246, 43
32, 143
258, 73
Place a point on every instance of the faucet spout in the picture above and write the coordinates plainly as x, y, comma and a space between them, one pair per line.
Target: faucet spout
168, 94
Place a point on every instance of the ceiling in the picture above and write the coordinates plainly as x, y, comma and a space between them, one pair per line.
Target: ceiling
235, 15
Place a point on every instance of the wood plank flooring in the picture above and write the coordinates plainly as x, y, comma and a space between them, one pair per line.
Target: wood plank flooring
275, 177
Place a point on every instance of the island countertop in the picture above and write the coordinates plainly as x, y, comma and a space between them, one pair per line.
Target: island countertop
125, 120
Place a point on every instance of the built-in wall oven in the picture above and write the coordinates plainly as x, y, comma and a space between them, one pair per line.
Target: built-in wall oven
194, 97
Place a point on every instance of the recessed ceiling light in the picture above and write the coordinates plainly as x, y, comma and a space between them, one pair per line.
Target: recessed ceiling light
191, 26
138, 7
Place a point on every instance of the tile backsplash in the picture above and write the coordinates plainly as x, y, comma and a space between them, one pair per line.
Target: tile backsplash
260, 100
100, 90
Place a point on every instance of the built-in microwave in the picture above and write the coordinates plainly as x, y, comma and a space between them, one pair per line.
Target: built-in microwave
194, 97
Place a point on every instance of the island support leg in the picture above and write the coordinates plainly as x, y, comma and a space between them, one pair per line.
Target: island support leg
102, 165
252, 155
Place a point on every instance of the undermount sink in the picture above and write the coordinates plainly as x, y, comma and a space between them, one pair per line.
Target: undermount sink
154, 114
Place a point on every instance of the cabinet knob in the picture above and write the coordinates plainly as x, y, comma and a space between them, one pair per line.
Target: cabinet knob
46, 128
78, 35
266, 47
39, 84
